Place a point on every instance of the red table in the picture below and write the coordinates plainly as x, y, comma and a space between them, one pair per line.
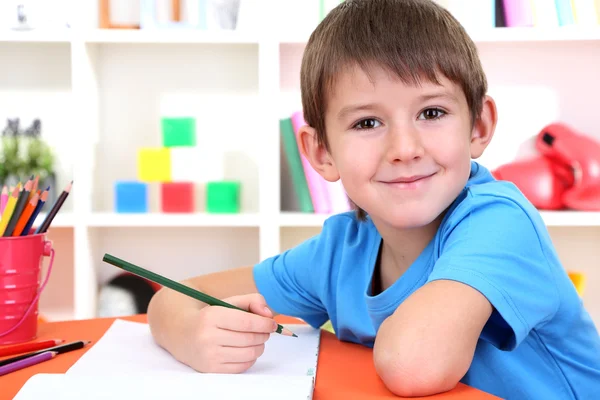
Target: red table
344, 370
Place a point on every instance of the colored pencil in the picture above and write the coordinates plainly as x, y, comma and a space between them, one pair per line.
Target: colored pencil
38, 208
21, 202
25, 347
35, 186
26, 215
3, 199
62, 348
55, 208
183, 289
10, 207
27, 362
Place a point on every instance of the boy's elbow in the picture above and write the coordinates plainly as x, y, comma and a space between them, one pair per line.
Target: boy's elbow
415, 378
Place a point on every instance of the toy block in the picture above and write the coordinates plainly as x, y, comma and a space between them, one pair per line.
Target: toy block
178, 132
223, 197
131, 197
177, 197
154, 164
191, 164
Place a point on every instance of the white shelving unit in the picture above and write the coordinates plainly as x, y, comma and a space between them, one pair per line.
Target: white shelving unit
101, 94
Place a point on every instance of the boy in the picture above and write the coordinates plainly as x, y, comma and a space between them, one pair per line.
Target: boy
447, 273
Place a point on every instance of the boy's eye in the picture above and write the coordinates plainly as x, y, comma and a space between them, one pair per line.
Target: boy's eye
368, 123
432, 113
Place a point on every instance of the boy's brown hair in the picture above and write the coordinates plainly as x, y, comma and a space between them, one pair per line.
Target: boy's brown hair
413, 39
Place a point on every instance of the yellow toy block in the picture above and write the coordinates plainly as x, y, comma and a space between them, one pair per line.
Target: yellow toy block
154, 164
578, 280
328, 326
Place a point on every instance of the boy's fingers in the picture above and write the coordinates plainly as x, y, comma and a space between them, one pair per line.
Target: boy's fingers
240, 339
260, 309
234, 368
255, 301
240, 321
240, 354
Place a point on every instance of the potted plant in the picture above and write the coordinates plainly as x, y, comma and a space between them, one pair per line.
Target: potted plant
10, 159
24, 153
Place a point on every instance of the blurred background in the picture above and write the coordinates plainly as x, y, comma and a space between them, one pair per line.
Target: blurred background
177, 120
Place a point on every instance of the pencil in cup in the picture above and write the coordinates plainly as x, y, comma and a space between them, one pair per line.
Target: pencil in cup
26, 215
183, 289
43, 198
55, 208
34, 187
26, 362
3, 198
19, 207
9, 208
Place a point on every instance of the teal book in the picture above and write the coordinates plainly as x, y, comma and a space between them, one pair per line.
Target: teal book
294, 163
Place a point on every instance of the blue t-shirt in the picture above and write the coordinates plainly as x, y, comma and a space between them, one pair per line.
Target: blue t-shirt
539, 343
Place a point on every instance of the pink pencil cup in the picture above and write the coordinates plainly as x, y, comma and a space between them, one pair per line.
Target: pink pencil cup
21, 260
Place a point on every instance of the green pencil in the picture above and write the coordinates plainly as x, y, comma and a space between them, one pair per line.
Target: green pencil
183, 289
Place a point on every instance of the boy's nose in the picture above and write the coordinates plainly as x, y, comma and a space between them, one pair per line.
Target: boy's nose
404, 145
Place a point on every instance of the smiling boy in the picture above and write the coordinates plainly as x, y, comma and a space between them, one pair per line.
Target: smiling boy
447, 273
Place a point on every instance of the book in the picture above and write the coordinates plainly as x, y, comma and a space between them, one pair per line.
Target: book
584, 12
545, 13
127, 363
317, 186
518, 13
293, 168
564, 12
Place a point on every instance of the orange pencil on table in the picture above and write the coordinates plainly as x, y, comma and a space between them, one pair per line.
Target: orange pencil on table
27, 347
25, 215
10, 207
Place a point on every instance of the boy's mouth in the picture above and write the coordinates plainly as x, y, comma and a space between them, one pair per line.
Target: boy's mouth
408, 179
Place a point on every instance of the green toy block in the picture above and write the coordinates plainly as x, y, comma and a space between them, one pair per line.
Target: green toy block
178, 132
223, 197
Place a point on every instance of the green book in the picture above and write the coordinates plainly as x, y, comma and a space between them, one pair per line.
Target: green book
292, 156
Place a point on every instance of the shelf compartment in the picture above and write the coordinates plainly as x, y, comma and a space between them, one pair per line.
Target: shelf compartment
173, 220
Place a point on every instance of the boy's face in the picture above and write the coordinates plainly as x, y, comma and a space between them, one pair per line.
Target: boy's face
403, 153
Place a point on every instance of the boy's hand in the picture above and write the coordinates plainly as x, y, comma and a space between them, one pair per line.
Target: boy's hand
224, 340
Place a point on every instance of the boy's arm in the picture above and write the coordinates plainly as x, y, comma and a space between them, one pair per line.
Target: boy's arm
495, 280
426, 346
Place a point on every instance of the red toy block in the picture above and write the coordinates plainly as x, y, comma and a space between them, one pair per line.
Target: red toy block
177, 197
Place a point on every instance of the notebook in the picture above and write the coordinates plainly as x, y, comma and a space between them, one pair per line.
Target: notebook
126, 363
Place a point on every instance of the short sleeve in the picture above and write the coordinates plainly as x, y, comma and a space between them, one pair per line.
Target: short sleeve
293, 282
495, 248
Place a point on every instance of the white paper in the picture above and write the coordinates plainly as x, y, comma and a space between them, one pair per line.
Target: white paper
128, 347
162, 386
127, 363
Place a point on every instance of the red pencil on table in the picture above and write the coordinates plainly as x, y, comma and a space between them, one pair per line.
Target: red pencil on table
27, 362
26, 347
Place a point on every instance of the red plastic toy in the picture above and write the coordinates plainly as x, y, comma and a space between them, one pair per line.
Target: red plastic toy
563, 145
539, 179
566, 174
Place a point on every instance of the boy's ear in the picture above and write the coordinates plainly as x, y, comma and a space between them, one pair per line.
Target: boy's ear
317, 155
484, 127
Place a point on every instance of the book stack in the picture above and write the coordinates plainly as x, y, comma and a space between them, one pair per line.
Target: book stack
311, 193
481, 14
